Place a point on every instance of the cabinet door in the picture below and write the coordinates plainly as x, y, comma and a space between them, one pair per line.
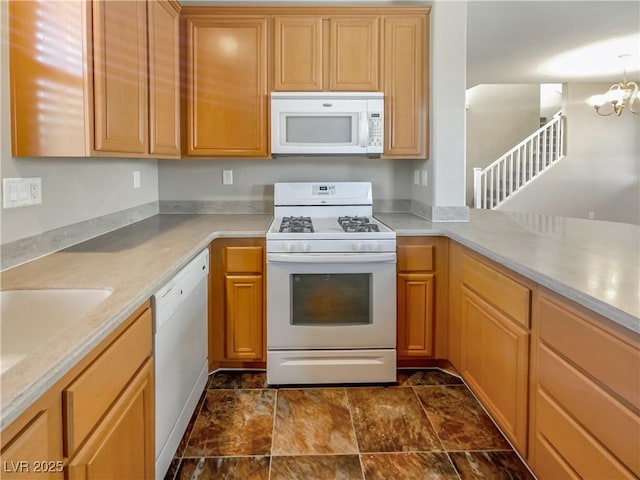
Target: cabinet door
33, 447
244, 336
164, 78
49, 93
415, 314
354, 53
122, 446
405, 86
495, 356
120, 76
298, 53
227, 87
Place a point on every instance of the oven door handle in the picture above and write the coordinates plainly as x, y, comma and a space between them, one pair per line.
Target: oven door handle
389, 257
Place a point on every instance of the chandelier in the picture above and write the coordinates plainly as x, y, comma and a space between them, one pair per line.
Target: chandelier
620, 95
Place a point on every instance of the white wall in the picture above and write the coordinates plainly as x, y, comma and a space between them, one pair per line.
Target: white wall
498, 117
601, 171
74, 189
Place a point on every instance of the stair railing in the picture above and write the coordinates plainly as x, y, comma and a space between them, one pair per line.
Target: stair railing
520, 165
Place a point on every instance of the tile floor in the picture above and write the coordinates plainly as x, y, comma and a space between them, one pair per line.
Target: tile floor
428, 426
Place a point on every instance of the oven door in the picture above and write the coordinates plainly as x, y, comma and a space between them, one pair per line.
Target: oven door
331, 301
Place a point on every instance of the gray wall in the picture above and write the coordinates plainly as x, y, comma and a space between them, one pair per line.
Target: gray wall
254, 179
74, 189
498, 117
601, 171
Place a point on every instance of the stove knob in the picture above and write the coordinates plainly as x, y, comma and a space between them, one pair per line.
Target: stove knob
373, 245
306, 247
358, 246
289, 246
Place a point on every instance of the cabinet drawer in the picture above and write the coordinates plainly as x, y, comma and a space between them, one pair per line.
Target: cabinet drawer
572, 443
610, 360
505, 293
89, 396
615, 426
243, 259
415, 258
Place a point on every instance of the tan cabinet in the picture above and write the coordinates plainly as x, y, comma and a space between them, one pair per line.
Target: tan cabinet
120, 76
421, 298
237, 310
95, 422
226, 85
585, 416
314, 53
405, 85
489, 338
89, 93
164, 78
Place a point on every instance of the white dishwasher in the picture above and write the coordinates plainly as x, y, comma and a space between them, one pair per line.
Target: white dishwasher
180, 354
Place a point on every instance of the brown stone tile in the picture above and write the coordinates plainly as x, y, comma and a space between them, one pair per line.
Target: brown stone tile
413, 466
459, 420
238, 379
432, 376
228, 468
187, 433
490, 466
313, 421
233, 422
390, 420
316, 467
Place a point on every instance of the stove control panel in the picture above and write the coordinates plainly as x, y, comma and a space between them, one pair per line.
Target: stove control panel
324, 189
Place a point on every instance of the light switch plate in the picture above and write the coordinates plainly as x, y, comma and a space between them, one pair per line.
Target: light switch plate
21, 192
227, 177
136, 179
416, 177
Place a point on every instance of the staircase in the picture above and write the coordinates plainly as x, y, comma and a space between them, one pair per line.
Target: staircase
493, 185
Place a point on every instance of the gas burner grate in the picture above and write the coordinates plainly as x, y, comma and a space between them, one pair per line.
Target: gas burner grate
357, 224
296, 225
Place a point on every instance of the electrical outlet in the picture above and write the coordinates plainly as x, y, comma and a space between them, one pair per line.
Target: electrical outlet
136, 179
416, 177
592, 215
424, 178
21, 192
227, 177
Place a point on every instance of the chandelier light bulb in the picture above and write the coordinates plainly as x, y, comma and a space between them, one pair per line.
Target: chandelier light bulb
619, 95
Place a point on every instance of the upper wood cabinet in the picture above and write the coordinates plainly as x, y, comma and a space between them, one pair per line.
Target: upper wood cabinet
405, 85
120, 77
313, 53
226, 86
164, 78
79, 81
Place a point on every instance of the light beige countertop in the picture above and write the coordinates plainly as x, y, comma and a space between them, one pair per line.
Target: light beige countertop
593, 263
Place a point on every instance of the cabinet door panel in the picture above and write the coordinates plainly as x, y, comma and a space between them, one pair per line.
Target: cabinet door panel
354, 53
122, 446
120, 76
227, 87
32, 445
298, 53
405, 86
495, 364
244, 317
164, 79
415, 314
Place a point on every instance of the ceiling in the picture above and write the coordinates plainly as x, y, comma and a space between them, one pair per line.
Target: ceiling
509, 41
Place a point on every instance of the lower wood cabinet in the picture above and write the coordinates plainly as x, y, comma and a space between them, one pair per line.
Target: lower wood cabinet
585, 399
237, 308
489, 338
95, 422
421, 298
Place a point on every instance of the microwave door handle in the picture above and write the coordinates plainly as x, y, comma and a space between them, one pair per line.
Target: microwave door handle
364, 130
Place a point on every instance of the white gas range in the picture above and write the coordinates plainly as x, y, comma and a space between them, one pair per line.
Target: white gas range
331, 286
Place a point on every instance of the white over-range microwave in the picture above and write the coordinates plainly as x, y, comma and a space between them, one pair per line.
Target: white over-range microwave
327, 123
